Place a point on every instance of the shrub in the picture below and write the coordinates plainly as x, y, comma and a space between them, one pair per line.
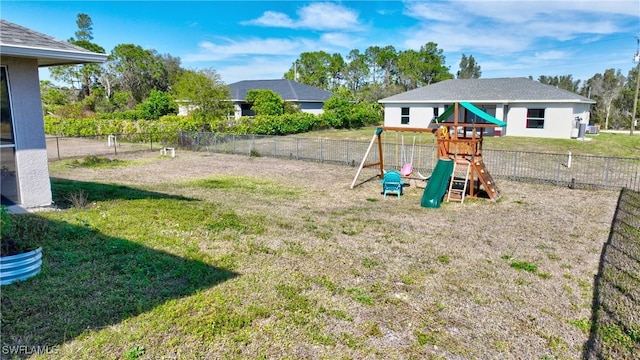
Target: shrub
340, 112
20, 233
158, 104
265, 102
337, 111
5, 221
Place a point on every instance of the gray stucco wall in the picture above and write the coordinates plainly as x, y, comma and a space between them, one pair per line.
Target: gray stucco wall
31, 151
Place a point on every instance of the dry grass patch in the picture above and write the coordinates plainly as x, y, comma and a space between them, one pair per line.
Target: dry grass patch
324, 271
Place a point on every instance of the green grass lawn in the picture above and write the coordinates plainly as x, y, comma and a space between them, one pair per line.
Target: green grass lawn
603, 144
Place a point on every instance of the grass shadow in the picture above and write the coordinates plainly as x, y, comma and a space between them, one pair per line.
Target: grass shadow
90, 281
615, 326
63, 188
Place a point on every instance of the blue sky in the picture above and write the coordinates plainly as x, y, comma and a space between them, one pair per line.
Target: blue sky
260, 39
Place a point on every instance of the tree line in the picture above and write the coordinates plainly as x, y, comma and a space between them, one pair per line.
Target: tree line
142, 83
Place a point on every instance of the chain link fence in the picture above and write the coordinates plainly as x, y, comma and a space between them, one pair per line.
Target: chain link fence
580, 171
615, 327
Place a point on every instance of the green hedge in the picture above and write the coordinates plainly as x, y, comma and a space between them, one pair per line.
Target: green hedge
259, 125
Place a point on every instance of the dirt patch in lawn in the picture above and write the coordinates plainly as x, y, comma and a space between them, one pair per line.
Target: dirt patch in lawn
386, 277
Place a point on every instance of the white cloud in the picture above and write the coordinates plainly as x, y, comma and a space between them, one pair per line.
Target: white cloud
551, 55
539, 10
454, 38
257, 68
505, 27
339, 39
432, 11
274, 19
209, 51
315, 16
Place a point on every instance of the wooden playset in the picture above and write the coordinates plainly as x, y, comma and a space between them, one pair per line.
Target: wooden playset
459, 138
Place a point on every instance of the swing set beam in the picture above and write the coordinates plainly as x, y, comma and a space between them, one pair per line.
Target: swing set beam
376, 137
405, 129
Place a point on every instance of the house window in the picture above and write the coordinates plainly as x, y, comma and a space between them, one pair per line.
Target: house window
8, 176
535, 118
404, 119
436, 112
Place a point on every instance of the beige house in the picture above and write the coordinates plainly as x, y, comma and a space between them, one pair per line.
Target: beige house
23, 155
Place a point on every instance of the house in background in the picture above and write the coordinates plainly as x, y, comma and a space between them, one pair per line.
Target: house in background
528, 107
23, 154
309, 99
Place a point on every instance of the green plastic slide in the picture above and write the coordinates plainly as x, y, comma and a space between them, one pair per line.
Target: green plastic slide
437, 185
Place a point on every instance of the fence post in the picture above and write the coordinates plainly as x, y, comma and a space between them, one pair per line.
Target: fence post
115, 145
515, 164
321, 150
275, 146
347, 158
58, 147
297, 148
558, 170
606, 173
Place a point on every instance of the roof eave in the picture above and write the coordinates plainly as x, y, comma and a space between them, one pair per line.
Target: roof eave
50, 57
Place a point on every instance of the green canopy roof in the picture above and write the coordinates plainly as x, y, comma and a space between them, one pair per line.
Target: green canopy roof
478, 112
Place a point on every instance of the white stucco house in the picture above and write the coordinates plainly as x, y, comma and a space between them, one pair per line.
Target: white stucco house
528, 107
23, 154
309, 99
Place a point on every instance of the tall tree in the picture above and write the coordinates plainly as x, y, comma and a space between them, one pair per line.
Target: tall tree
381, 62
387, 60
408, 76
356, 72
137, 71
85, 31
52, 96
605, 88
624, 102
423, 67
336, 73
371, 57
312, 68
565, 82
86, 75
205, 92
468, 68
172, 67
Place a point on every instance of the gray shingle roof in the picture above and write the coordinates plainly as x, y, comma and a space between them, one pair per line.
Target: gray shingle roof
289, 90
19, 41
487, 91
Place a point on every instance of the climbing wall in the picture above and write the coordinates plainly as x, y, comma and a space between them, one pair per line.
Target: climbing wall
486, 179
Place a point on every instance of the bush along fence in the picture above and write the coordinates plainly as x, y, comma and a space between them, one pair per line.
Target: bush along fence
579, 171
615, 325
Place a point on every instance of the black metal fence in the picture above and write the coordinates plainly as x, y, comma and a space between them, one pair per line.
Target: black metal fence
559, 169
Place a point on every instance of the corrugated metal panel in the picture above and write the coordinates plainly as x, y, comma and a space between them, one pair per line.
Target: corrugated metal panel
20, 267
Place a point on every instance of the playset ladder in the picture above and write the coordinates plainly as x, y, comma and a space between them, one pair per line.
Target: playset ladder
486, 179
459, 181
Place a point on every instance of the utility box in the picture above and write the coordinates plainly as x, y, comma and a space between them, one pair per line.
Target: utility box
582, 130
